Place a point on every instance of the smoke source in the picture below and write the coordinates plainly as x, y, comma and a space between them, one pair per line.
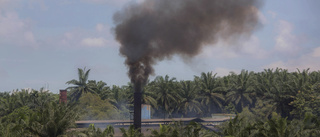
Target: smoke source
158, 29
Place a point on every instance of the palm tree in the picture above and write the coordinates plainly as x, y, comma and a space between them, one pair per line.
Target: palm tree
165, 91
264, 83
208, 92
92, 131
194, 129
275, 89
315, 77
80, 86
178, 129
131, 132
99, 87
280, 99
241, 89
306, 127
8, 104
38, 99
278, 127
15, 123
118, 96
164, 131
53, 120
301, 81
189, 98
148, 97
233, 127
16, 100
109, 131
10, 130
280, 94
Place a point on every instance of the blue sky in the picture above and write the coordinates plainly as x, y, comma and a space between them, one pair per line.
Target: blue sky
43, 42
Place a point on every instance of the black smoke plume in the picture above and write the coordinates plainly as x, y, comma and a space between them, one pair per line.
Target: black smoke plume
158, 29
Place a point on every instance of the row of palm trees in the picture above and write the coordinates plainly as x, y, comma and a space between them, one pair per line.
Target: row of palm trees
35, 113
293, 95
248, 125
271, 90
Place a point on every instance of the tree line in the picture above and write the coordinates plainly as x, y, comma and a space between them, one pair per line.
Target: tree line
290, 94
263, 101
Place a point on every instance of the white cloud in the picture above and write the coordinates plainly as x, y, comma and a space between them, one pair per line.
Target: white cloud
309, 60
253, 48
285, 40
71, 38
100, 27
262, 17
6, 5
248, 48
14, 30
277, 64
273, 14
100, 36
29, 37
218, 51
68, 35
316, 52
4, 2
93, 42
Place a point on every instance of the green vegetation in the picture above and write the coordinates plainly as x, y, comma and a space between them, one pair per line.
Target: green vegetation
269, 103
192, 129
35, 113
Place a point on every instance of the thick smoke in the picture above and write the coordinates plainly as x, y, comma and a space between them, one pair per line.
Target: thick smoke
157, 29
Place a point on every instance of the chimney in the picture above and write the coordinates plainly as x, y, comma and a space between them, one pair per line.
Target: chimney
63, 96
137, 111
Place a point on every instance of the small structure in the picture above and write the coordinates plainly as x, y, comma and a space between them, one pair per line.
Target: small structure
145, 111
63, 96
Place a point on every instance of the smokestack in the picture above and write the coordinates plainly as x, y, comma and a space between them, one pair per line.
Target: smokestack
137, 111
158, 29
63, 96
